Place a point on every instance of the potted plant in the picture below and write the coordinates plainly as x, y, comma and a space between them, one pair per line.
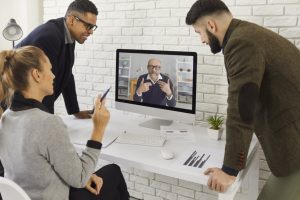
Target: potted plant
215, 130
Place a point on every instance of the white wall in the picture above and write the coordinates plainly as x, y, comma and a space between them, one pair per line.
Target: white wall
27, 13
160, 24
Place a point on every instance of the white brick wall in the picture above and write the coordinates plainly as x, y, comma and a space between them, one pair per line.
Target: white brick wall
160, 24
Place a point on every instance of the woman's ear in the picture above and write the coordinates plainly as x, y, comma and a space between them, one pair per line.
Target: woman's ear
36, 75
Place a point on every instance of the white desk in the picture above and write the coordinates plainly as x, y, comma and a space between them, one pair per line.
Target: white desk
149, 158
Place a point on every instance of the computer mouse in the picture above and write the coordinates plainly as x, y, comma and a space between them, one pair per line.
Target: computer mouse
166, 154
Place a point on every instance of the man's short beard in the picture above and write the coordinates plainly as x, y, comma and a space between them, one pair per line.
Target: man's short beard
214, 44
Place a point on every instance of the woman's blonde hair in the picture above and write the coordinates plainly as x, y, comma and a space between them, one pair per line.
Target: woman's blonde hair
14, 68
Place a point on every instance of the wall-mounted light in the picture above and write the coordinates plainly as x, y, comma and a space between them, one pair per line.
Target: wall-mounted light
12, 31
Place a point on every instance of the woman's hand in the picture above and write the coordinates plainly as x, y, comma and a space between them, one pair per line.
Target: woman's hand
94, 181
101, 114
100, 117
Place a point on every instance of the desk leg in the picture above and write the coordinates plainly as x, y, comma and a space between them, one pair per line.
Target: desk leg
249, 184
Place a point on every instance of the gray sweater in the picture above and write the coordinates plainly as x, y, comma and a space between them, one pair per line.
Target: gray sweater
37, 154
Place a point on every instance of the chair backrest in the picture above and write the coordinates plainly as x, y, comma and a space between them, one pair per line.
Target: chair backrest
11, 191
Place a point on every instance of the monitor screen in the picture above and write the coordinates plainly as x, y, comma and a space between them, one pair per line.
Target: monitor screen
158, 83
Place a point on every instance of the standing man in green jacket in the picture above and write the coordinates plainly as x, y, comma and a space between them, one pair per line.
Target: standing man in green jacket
263, 72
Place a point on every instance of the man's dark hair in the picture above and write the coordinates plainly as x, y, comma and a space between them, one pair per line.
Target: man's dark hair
82, 6
204, 7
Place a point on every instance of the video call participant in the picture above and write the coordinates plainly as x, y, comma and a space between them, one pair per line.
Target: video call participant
154, 87
35, 147
57, 39
263, 72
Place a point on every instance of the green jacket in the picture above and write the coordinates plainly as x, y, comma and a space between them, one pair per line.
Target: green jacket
263, 71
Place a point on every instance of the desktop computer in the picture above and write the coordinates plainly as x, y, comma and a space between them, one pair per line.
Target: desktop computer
157, 83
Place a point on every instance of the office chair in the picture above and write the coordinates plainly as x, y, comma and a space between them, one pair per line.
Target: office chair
11, 191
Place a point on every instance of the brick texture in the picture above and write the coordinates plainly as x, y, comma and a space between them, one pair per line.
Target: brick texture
160, 24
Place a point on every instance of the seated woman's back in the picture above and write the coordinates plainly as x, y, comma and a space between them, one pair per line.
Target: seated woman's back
35, 148
40, 144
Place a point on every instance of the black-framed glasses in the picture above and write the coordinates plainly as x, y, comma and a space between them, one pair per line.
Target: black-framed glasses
157, 67
87, 25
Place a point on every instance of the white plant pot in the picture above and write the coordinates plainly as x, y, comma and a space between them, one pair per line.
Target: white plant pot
215, 134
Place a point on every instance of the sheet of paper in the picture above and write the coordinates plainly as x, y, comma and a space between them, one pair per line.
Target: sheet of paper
81, 130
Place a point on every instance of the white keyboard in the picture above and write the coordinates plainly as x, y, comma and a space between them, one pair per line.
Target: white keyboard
140, 139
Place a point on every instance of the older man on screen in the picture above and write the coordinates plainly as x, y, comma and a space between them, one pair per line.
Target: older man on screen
155, 87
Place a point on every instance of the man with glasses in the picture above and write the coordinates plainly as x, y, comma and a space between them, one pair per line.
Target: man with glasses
57, 39
154, 87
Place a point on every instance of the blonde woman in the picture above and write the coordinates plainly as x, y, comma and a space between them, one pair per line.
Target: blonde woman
35, 148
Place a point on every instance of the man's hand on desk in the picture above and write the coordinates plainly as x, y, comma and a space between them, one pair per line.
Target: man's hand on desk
84, 114
94, 184
218, 180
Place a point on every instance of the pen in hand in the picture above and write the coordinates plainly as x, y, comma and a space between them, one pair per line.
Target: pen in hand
102, 98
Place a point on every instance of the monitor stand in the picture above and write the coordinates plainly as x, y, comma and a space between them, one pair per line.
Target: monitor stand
155, 123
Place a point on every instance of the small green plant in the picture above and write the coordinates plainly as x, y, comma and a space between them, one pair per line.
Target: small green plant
215, 121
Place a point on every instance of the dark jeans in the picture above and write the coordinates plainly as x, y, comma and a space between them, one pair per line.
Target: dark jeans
114, 186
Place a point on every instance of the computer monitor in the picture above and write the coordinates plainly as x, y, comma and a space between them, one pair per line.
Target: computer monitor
157, 83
